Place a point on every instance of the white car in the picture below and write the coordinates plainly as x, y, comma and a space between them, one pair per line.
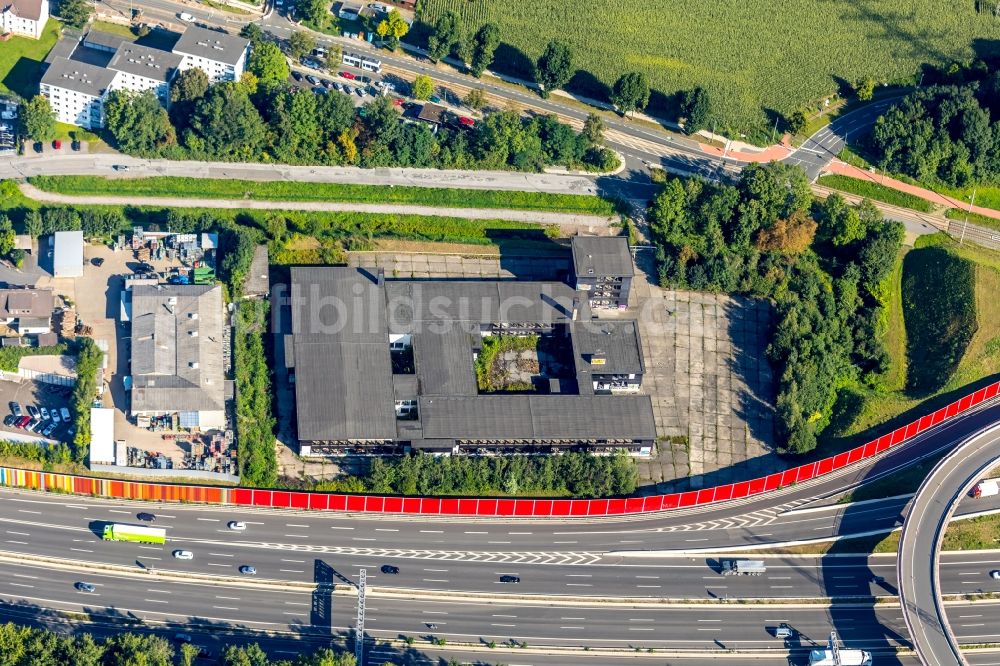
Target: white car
237, 525
65, 414
184, 16
183, 555
995, 574
45, 413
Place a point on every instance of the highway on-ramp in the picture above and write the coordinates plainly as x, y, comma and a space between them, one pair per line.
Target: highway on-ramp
920, 587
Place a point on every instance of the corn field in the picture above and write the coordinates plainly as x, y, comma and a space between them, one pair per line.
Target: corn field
751, 55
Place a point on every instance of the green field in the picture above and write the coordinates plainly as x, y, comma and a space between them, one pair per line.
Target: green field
292, 191
751, 55
21, 60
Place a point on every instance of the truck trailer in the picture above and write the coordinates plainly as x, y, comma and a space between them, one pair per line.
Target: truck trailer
840, 658
134, 533
743, 568
986, 488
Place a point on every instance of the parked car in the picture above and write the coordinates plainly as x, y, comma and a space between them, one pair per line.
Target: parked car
85, 587
120, 167
9, 420
466, 121
183, 554
349, 90
32, 424
15, 409
296, 75
435, 99
348, 76
183, 638
55, 416
237, 525
44, 412
49, 429
97, 261
361, 91
57, 144
339, 86
32, 411
248, 570
398, 101
64, 413
75, 145
326, 84
23, 421
312, 79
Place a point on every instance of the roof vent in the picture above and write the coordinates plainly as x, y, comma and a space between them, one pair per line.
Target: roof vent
192, 315
193, 365
172, 300
193, 334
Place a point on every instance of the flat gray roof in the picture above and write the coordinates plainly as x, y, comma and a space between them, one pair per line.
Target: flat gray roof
618, 341
78, 77
154, 64
602, 255
177, 348
537, 417
444, 362
211, 45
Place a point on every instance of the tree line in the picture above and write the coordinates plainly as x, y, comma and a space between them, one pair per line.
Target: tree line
823, 264
264, 118
29, 646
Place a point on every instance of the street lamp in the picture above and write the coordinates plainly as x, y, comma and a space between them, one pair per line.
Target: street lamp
967, 213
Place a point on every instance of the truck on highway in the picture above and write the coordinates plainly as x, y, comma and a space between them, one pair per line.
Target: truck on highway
743, 567
134, 533
986, 488
840, 658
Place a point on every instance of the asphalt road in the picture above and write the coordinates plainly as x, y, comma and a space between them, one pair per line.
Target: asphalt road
920, 586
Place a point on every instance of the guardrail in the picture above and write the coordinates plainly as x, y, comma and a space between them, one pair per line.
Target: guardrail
449, 506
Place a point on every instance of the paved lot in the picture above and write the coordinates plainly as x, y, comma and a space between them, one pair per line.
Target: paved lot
711, 386
27, 392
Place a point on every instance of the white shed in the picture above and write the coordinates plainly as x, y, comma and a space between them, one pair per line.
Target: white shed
67, 257
102, 436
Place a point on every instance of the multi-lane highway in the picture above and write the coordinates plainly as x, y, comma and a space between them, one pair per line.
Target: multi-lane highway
920, 582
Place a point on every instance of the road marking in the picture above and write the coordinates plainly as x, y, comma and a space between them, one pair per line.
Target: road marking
222, 555
23, 543
656, 586
497, 615
209, 520
156, 601
571, 627
225, 608
362, 539
579, 585
158, 591
495, 624
434, 580
572, 618
295, 561
519, 533
497, 542
296, 525
427, 612
654, 577
118, 511
26, 534
33, 577
28, 511
213, 564
696, 539
296, 603
565, 542
305, 536
150, 548
579, 575
341, 528
432, 531
291, 570
385, 529
437, 570
81, 550
20, 585
477, 532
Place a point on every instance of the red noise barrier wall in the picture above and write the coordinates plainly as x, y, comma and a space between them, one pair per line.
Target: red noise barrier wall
137, 490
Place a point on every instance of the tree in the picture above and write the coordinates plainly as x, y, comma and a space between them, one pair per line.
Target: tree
631, 92
268, 63
796, 122
695, 108
554, 67
392, 28
7, 236
316, 12
476, 99
447, 30
593, 129
33, 223
75, 13
484, 46
189, 86
423, 87
300, 44
227, 122
865, 89
253, 32
138, 121
189, 651
38, 122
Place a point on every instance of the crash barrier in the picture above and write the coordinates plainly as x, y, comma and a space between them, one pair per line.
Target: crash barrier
138, 490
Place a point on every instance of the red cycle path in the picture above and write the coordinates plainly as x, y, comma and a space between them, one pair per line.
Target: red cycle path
448, 506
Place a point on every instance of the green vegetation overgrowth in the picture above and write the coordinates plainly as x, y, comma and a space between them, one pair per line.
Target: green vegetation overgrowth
750, 56
491, 375
255, 422
297, 191
571, 474
88, 362
30, 646
824, 264
21, 61
11, 356
960, 215
875, 191
939, 304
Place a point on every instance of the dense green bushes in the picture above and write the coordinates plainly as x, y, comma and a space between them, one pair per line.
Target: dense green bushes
875, 191
88, 362
939, 302
255, 421
28, 646
822, 264
11, 356
575, 474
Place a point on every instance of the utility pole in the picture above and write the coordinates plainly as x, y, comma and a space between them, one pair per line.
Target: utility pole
775, 130
359, 637
967, 213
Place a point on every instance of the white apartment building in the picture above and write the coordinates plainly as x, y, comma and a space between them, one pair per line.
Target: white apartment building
220, 55
24, 17
77, 89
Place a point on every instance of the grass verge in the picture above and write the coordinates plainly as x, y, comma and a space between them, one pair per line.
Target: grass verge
973, 218
899, 483
21, 60
123, 31
876, 192
297, 191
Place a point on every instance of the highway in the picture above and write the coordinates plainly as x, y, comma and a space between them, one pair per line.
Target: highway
919, 578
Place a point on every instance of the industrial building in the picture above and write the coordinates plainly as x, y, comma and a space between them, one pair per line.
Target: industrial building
387, 365
67, 254
603, 268
177, 356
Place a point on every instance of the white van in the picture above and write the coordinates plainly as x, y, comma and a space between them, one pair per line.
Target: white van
187, 18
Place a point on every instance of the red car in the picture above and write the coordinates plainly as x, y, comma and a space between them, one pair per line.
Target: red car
398, 101
57, 144
23, 421
348, 76
467, 122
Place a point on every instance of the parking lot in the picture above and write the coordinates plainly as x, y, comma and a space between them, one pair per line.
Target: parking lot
37, 394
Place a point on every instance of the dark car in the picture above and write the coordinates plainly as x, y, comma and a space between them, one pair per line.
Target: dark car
33, 411
327, 84
9, 420
75, 145
148, 517
509, 579
389, 569
49, 429
15, 409
145, 268
97, 261
85, 587
296, 75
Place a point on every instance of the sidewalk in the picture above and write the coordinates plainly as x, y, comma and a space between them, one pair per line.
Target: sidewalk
844, 169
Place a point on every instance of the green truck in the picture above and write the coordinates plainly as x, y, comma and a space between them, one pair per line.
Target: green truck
134, 533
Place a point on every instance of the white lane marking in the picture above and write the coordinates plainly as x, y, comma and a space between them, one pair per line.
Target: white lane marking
294, 561
496, 624
158, 591
213, 564
209, 520
498, 615
16, 575
291, 570
227, 598
296, 525
81, 550
306, 536
118, 511
437, 570
385, 529
225, 608
477, 532
26, 534
432, 531
156, 601
29, 511
20, 585
222, 554
296, 603
22, 543
361, 539
434, 580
